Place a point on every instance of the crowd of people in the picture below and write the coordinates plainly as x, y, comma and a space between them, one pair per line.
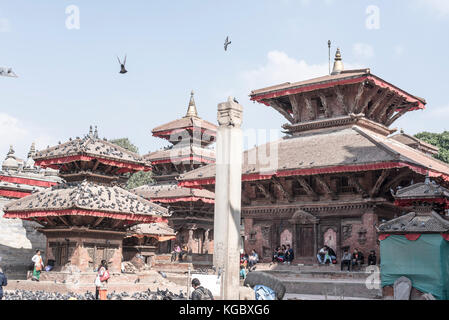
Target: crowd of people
326, 255
248, 262
283, 254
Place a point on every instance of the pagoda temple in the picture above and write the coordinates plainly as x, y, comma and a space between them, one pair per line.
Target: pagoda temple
192, 209
331, 176
19, 239
85, 219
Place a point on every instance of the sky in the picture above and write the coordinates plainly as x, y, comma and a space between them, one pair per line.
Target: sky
69, 77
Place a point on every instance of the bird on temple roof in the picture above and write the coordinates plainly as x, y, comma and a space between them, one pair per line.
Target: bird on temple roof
122, 65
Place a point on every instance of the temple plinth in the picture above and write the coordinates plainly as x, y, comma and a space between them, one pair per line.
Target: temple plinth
86, 218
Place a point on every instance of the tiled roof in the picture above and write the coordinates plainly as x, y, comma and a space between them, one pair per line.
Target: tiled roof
155, 192
183, 123
412, 141
416, 223
160, 229
175, 152
423, 190
86, 196
333, 147
90, 146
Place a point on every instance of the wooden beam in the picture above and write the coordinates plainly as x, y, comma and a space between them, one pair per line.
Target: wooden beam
375, 190
363, 107
307, 100
354, 181
64, 221
384, 110
309, 190
398, 115
379, 102
323, 100
282, 188
326, 187
49, 221
340, 99
360, 91
296, 106
280, 107
397, 179
115, 224
96, 165
97, 222
265, 192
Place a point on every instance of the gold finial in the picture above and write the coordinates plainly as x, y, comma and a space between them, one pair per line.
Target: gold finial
338, 64
191, 111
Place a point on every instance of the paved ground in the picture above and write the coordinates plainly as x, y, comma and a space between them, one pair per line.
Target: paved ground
290, 296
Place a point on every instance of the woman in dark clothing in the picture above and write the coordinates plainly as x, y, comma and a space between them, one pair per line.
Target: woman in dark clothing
3, 283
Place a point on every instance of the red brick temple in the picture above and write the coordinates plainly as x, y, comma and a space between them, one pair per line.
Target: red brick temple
192, 209
331, 176
85, 219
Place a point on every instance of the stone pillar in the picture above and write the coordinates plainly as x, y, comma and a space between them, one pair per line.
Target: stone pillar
206, 242
228, 192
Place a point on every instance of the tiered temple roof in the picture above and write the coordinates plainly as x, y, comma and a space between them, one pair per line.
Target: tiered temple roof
88, 199
336, 123
19, 178
190, 137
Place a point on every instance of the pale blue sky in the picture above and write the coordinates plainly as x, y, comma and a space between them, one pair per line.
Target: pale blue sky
68, 79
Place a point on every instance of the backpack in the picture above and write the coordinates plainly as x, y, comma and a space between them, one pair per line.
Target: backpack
203, 294
105, 276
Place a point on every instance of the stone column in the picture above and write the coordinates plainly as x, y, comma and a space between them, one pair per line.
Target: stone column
206, 241
228, 192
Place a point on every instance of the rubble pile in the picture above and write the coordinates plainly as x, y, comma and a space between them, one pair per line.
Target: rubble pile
42, 295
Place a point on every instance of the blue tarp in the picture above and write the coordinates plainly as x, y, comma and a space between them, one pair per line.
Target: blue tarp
424, 261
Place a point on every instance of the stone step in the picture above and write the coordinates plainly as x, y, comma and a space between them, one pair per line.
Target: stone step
334, 287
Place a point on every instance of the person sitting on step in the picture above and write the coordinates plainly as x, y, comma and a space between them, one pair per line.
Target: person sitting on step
346, 260
357, 259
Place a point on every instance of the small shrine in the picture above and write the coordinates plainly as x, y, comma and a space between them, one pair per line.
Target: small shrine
416, 245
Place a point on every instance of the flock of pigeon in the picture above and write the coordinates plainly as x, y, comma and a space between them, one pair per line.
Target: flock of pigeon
43, 295
85, 195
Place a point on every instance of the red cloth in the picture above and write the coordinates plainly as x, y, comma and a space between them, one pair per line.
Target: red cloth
382, 237
412, 237
445, 236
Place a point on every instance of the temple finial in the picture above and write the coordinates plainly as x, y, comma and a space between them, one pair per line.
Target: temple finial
32, 150
96, 133
191, 111
338, 64
90, 131
11, 151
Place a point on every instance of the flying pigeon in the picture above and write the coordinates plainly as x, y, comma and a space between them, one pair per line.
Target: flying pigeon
122, 65
227, 43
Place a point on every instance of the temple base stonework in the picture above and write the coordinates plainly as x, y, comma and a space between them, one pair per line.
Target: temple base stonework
84, 248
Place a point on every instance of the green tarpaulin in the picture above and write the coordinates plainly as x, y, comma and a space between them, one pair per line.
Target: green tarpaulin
424, 261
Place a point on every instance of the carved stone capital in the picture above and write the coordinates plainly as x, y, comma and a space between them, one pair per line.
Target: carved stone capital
230, 113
